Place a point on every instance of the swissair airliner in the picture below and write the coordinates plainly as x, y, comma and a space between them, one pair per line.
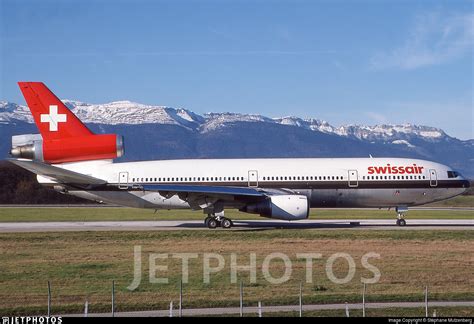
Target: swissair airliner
68, 157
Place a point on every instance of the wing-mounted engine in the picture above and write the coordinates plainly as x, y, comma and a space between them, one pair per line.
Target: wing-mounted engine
70, 149
285, 207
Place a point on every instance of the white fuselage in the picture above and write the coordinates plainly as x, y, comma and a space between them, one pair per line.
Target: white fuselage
336, 182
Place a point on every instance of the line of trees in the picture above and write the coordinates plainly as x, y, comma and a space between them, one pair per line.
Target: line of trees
18, 186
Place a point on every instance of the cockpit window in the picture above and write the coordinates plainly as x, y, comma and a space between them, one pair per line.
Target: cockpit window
453, 174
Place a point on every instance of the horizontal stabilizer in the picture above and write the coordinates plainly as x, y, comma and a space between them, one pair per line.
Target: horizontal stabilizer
60, 175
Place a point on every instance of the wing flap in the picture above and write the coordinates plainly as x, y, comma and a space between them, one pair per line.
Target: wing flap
205, 190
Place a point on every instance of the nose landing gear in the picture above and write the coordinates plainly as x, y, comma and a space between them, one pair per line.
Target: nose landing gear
401, 211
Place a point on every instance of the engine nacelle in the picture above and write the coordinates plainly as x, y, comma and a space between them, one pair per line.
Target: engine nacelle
285, 207
70, 149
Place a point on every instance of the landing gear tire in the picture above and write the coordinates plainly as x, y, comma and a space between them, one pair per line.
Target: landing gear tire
211, 223
401, 211
226, 223
401, 222
207, 220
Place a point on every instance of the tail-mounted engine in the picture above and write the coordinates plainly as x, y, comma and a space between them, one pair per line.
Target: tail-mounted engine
71, 149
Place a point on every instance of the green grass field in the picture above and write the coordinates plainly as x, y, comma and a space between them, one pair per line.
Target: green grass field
83, 214
130, 214
46, 214
82, 265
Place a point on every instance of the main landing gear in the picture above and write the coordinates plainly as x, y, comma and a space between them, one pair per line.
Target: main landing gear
401, 211
213, 221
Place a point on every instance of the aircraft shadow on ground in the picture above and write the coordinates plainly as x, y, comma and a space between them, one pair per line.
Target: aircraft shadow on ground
239, 225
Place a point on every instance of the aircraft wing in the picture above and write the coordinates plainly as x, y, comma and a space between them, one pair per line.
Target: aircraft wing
57, 174
202, 196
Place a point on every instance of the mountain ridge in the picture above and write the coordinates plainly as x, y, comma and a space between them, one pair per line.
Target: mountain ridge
161, 132
128, 113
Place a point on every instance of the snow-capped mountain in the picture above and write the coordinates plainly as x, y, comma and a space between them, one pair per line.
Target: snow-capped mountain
11, 112
132, 113
163, 132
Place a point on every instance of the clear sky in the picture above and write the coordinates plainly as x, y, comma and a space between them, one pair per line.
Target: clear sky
347, 62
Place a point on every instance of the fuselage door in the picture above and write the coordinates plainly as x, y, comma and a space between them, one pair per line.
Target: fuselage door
123, 180
253, 178
433, 178
353, 178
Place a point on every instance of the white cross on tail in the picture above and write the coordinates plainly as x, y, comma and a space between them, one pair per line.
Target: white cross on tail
53, 118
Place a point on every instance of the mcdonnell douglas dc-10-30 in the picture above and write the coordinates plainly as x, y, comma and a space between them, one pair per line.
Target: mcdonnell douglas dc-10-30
70, 158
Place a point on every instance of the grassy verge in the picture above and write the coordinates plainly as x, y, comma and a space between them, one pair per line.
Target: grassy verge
386, 312
129, 214
82, 265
